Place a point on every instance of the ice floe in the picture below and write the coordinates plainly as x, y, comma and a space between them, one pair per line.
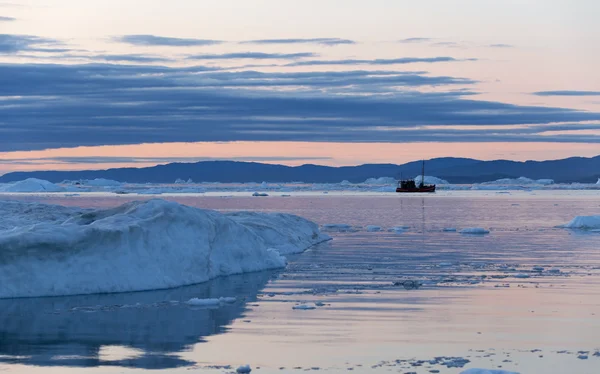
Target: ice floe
210, 302
137, 246
474, 231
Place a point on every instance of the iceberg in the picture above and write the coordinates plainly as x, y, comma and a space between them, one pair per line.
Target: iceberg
32, 185
584, 223
430, 180
154, 244
101, 182
520, 181
381, 180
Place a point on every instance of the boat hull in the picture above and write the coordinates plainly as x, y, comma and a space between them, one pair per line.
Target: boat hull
416, 190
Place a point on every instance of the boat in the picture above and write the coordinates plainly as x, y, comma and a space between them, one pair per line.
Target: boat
409, 185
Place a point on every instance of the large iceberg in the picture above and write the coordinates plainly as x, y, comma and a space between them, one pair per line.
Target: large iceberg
32, 185
138, 246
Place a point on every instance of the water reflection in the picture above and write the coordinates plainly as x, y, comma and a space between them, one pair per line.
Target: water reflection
72, 331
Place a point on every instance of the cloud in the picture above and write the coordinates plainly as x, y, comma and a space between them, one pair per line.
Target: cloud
53, 105
153, 40
11, 44
7, 19
567, 93
252, 55
500, 45
381, 61
323, 41
415, 40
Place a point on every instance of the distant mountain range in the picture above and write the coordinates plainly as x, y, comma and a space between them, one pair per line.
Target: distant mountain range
455, 170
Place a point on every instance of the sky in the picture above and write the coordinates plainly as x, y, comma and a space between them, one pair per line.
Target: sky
98, 84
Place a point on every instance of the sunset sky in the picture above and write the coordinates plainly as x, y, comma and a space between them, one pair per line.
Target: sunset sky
114, 83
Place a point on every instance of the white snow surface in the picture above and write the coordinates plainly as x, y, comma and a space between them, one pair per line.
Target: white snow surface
487, 371
584, 223
32, 185
430, 180
47, 250
598, 181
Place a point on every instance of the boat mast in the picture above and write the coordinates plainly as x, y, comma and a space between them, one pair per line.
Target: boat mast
423, 174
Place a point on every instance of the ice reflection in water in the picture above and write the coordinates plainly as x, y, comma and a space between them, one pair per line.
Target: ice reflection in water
154, 326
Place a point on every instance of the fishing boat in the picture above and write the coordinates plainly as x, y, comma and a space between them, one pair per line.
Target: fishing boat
409, 185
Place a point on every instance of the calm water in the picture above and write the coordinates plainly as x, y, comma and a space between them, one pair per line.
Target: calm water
471, 304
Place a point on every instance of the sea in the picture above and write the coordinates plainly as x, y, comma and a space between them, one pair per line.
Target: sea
398, 289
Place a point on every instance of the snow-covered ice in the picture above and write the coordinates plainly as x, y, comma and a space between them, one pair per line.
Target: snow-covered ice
487, 371
32, 185
584, 223
474, 231
286, 233
50, 251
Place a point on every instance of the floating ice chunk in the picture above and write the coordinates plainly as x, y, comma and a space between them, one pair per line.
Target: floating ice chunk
584, 223
474, 231
449, 229
203, 302
487, 371
260, 194
554, 270
521, 275
244, 369
227, 300
337, 227
373, 228
210, 302
538, 268
138, 246
304, 307
398, 229
32, 185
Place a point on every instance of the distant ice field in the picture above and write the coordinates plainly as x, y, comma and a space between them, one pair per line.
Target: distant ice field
415, 295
